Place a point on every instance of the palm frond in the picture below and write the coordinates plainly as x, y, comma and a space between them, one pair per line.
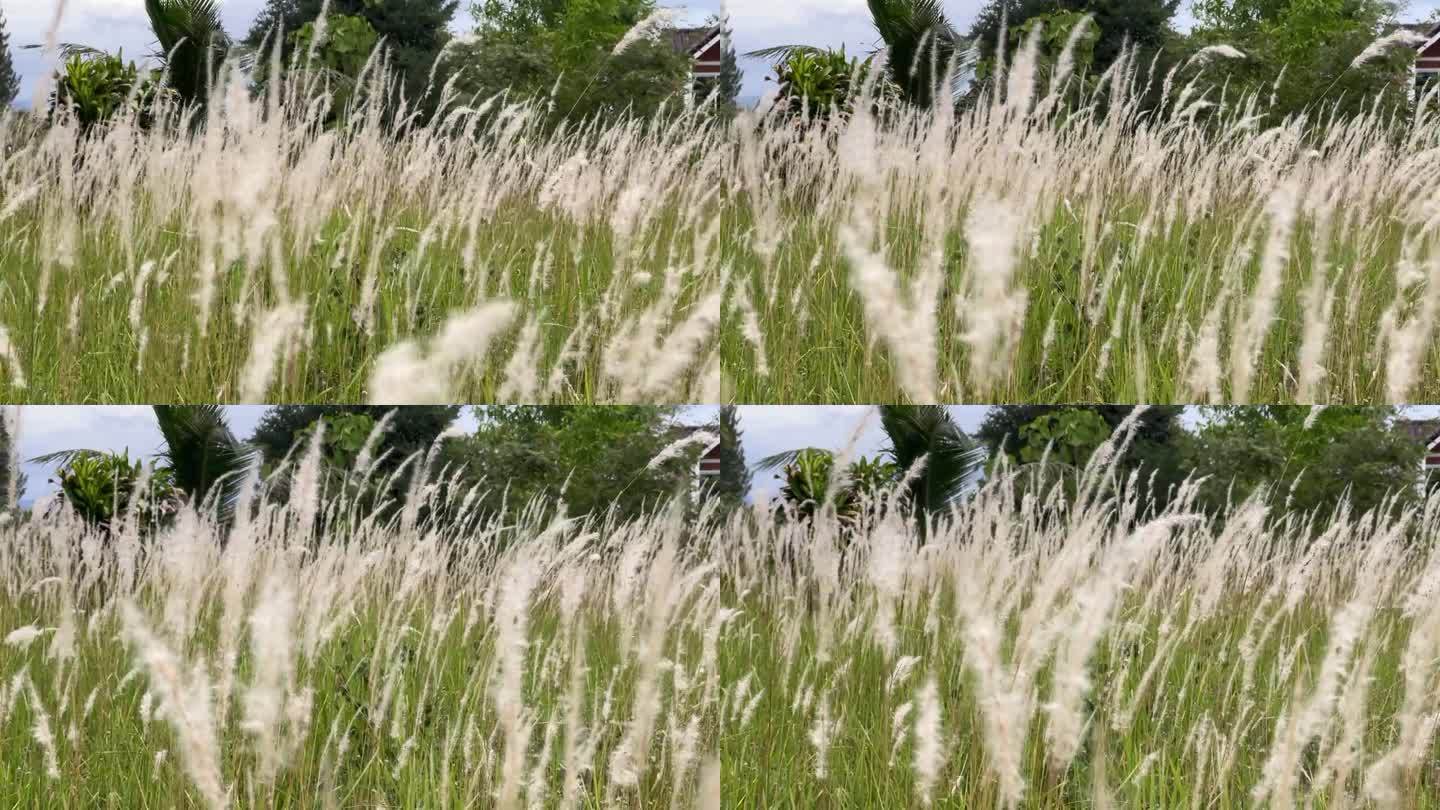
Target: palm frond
207, 461
788, 457
782, 52
68, 49
64, 457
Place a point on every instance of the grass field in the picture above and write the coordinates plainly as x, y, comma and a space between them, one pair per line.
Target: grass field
1033, 655
314, 657
269, 258
1013, 253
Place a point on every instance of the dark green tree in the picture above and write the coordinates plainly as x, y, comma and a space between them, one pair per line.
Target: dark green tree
564, 53
192, 44
9, 79
412, 429
1344, 453
1022, 433
731, 77
6, 447
413, 32
1315, 45
597, 458
206, 461
733, 484
1143, 24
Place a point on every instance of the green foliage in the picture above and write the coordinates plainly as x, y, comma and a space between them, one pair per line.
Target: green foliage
1313, 43
206, 462
819, 84
922, 47
102, 486
6, 448
1143, 24
1068, 437
95, 88
1343, 450
413, 31
348, 43
411, 429
595, 458
809, 485
9, 79
925, 434
563, 53
192, 44
733, 483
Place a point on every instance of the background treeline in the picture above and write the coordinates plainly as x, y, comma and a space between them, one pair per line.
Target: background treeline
616, 462
1300, 460
1292, 58
403, 52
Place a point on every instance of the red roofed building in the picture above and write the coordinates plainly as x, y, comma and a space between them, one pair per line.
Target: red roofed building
1427, 433
705, 47
1427, 58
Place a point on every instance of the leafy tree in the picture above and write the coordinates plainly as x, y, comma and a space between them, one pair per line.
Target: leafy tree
807, 476
206, 461
1143, 24
413, 31
94, 87
1022, 432
411, 429
101, 487
6, 447
733, 483
201, 461
1343, 452
9, 79
731, 77
1299, 56
595, 458
565, 53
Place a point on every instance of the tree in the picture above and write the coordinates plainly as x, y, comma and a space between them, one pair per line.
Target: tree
206, 461
413, 32
6, 448
201, 461
9, 79
594, 458
731, 77
1023, 432
1300, 57
565, 53
1310, 464
733, 483
1143, 24
412, 429
192, 44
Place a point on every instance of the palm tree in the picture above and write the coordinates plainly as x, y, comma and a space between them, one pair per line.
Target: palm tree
207, 461
193, 44
925, 51
953, 463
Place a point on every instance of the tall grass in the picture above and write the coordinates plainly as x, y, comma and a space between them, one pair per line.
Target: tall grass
1152, 239
1038, 652
276, 247
314, 655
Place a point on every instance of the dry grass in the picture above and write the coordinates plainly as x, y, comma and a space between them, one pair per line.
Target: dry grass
315, 656
1034, 654
267, 256
1024, 250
